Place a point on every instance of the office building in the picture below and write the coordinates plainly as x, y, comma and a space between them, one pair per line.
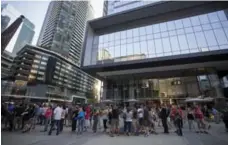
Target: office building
64, 27
166, 51
62, 34
24, 34
116, 6
44, 74
6, 64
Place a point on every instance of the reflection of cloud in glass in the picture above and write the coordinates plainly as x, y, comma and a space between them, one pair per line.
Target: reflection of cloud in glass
5, 22
104, 54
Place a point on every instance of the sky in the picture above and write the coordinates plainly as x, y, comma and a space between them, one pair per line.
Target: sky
35, 11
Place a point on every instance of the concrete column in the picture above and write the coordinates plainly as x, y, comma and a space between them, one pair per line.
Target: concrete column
215, 83
219, 96
104, 92
131, 90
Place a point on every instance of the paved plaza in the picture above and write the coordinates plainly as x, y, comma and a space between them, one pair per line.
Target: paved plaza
217, 136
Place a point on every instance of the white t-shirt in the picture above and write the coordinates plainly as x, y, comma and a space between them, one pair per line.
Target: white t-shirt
129, 116
63, 114
58, 113
140, 113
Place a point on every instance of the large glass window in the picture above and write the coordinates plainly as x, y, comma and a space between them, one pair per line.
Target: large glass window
216, 25
105, 38
135, 32
213, 17
156, 28
221, 37
166, 45
201, 41
149, 29
163, 27
222, 15
204, 19
158, 45
157, 35
151, 47
189, 35
186, 22
111, 50
174, 43
117, 35
129, 33
143, 46
142, 31
195, 21
111, 37
123, 35
117, 51
171, 25
130, 50
123, 50
179, 24
137, 48
183, 42
210, 37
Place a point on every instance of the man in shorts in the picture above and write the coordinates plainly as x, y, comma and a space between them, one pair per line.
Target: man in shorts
115, 121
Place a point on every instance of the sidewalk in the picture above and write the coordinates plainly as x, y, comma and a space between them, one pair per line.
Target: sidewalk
217, 136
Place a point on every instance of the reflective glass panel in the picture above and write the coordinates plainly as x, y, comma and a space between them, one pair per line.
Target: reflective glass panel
158, 45
174, 43
191, 41
210, 37
183, 42
166, 44
221, 37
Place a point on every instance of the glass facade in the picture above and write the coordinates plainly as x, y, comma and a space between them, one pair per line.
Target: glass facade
200, 33
33, 66
175, 88
24, 33
123, 5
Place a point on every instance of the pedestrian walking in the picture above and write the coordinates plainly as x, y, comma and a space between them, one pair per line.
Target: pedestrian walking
57, 117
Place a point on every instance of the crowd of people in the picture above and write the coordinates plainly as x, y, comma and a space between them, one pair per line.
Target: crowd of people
115, 120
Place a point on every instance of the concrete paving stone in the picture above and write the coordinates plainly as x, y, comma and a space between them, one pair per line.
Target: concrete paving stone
217, 136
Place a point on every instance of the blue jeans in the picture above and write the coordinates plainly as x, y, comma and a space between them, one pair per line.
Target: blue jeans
127, 126
53, 123
46, 123
80, 125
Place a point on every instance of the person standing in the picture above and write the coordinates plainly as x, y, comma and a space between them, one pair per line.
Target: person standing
74, 118
10, 115
48, 116
80, 119
140, 118
200, 120
178, 121
87, 116
190, 116
63, 115
114, 121
163, 115
95, 120
146, 122
57, 117
128, 121
105, 118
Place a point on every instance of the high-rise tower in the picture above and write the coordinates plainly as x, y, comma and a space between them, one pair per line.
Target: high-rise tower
64, 27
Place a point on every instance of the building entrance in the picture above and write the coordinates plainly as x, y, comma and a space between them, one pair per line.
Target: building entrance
167, 90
